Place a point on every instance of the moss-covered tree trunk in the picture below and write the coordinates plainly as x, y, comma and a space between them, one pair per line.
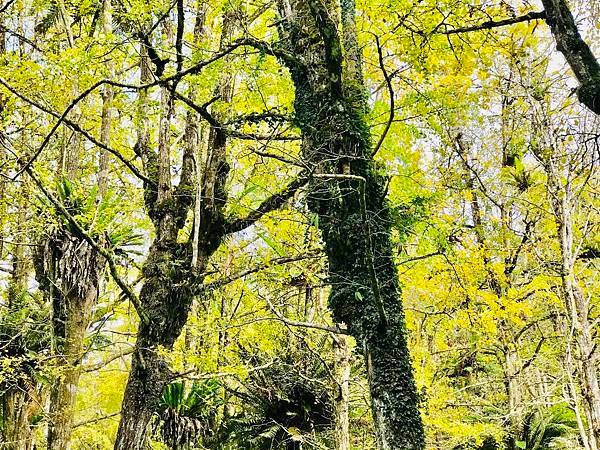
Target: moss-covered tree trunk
68, 270
16, 410
348, 196
18, 398
166, 306
164, 298
342, 397
171, 271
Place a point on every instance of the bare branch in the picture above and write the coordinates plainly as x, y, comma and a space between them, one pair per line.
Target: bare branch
97, 419
203, 111
295, 323
284, 260
490, 24
272, 203
388, 82
75, 127
107, 361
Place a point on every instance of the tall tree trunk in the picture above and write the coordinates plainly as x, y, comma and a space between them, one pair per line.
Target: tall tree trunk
342, 400
347, 193
573, 396
68, 272
173, 271
169, 274
511, 364
165, 304
562, 170
19, 400
578, 54
107, 101
577, 305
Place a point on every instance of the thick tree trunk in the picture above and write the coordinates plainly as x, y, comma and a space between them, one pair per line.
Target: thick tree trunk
170, 272
166, 303
575, 50
68, 271
348, 196
16, 411
64, 390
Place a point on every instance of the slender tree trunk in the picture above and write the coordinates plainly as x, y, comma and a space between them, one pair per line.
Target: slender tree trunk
561, 173
511, 363
573, 396
578, 308
513, 385
19, 402
342, 400
107, 109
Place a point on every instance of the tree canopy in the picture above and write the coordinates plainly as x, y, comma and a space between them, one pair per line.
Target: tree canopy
299, 224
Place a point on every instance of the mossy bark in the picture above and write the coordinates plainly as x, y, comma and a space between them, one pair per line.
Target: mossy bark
166, 303
16, 405
19, 400
330, 111
68, 271
171, 271
342, 399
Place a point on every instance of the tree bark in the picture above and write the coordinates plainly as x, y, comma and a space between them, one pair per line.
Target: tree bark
164, 297
365, 293
578, 54
572, 394
19, 400
68, 272
577, 305
107, 101
561, 172
342, 375
169, 274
